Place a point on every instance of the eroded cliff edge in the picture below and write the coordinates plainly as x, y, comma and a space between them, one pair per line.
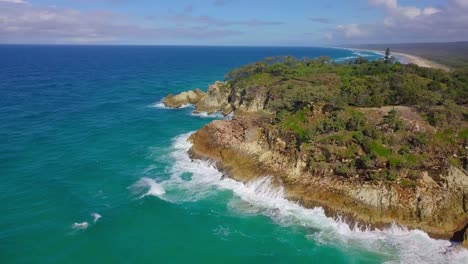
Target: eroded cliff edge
246, 148
329, 139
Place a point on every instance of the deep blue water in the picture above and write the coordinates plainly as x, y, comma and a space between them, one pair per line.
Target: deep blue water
82, 133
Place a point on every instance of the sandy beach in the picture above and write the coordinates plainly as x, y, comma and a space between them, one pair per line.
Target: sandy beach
406, 58
422, 62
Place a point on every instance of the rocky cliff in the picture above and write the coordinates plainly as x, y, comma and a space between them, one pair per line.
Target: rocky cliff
247, 148
184, 98
218, 98
376, 143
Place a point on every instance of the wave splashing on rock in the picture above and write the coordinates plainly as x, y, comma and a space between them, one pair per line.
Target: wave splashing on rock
264, 196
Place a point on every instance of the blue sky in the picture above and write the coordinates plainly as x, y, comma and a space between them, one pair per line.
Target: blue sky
232, 22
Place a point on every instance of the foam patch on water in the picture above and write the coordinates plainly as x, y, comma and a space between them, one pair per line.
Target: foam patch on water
395, 244
206, 115
356, 53
160, 105
96, 217
147, 187
80, 226
84, 225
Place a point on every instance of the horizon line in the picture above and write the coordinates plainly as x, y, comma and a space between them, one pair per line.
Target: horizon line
237, 46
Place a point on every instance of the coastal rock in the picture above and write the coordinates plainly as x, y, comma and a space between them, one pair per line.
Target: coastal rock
184, 98
428, 181
371, 165
249, 100
219, 98
456, 179
216, 99
245, 149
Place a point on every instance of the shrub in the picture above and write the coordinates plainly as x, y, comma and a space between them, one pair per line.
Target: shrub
392, 119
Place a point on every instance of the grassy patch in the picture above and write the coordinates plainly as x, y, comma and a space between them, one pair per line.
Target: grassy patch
378, 149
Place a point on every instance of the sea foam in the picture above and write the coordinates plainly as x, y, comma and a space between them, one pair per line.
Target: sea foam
96, 217
160, 105
206, 115
395, 244
80, 226
147, 187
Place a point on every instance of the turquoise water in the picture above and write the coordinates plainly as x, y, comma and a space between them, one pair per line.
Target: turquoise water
93, 169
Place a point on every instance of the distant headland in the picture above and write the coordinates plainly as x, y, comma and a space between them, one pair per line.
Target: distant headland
442, 55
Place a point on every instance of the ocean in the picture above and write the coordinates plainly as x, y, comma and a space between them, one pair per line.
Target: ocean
95, 170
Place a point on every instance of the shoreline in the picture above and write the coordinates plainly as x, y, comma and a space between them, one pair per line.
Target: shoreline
251, 146
421, 62
267, 191
406, 58
242, 155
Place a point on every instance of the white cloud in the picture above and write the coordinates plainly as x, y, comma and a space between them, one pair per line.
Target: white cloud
462, 3
14, 1
401, 23
430, 11
31, 24
394, 9
352, 30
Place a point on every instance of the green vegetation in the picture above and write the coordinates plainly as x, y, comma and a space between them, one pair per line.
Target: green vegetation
333, 112
294, 83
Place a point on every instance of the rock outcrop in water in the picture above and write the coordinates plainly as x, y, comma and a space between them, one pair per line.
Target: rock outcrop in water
214, 100
184, 98
218, 98
323, 132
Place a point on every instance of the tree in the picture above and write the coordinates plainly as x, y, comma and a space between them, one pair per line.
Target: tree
361, 60
387, 56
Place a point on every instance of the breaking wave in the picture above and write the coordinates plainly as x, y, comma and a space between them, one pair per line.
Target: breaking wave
206, 115
147, 187
356, 53
80, 226
395, 244
96, 217
193, 180
160, 105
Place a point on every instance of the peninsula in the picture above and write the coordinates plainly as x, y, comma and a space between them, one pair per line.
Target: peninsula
375, 142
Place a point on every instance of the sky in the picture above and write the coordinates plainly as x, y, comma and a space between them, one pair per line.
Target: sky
232, 22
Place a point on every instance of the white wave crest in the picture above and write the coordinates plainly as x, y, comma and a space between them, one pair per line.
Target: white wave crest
347, 58
148, 187
80, 226
206, 115
96, 217
395, 244
359, 53
160, 105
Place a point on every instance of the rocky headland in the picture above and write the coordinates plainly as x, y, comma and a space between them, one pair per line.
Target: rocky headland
302, 123
214, 100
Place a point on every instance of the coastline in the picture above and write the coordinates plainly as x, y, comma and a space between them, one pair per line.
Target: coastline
421, 62
406, 58
245, 150
249, 148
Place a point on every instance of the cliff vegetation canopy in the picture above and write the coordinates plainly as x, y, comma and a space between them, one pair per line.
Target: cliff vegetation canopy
382, 121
